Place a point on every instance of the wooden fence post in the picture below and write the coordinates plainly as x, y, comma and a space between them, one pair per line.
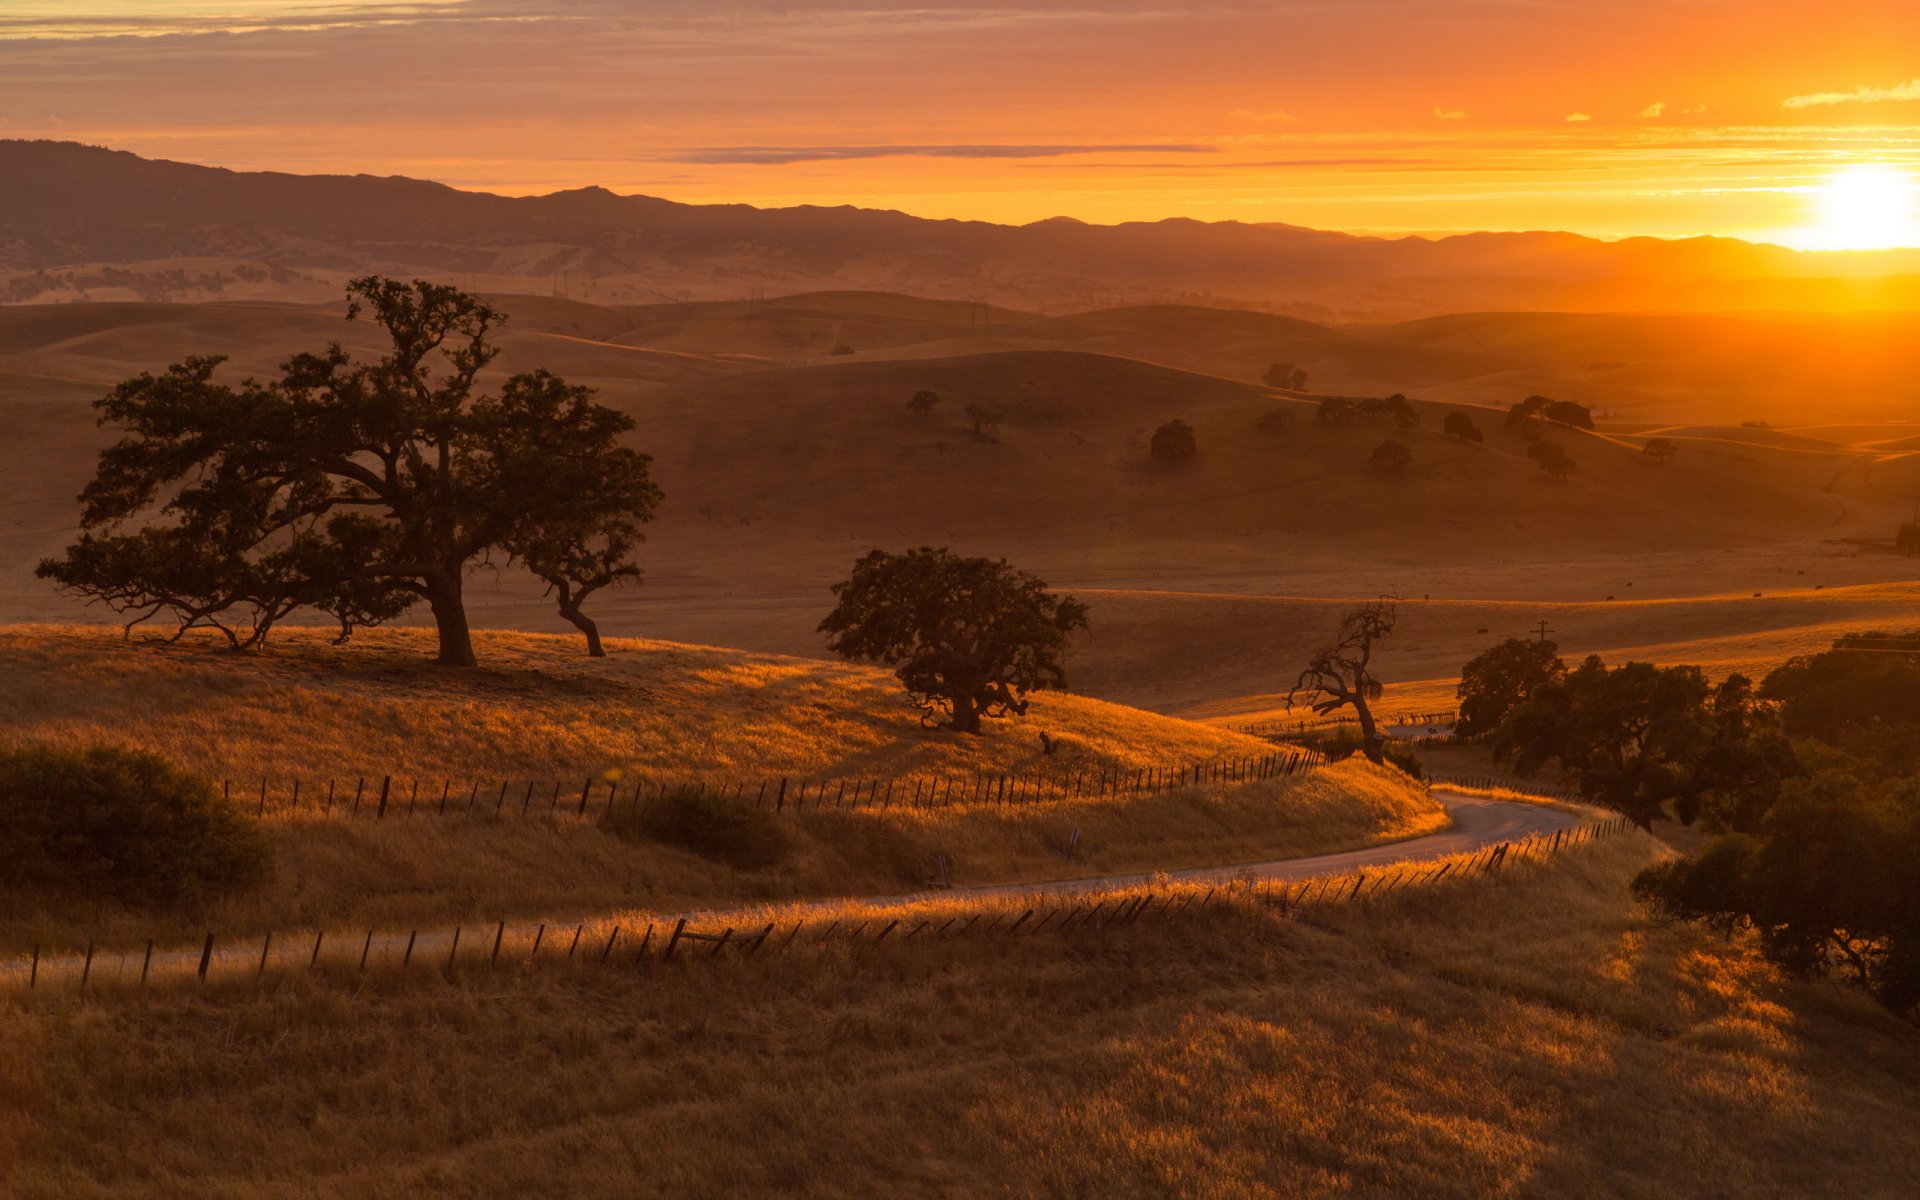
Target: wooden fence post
454, 952
611, 938
146, 963
679, 928
266, 944
386, 788
499, 935
206, 956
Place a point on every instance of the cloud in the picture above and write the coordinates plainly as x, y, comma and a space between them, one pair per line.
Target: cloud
778, 155
1449, 114
1578, 117
1909, 90
1657, 108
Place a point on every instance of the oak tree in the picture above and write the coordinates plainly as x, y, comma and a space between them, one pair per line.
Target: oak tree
968, 637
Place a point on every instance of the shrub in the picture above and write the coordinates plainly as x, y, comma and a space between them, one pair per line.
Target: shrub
120, 823
1461, 425
708, 824
1173, 443
922, 403
1278, 421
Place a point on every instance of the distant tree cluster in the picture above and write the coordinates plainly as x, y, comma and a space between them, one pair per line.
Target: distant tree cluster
922, 403
1277, 420
1812, 781
983, 420
1339, 411
1285, 376
1660, 450
1560, 412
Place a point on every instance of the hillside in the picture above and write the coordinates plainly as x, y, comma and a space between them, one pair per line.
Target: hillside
540, 717
80, 222
1533, 1034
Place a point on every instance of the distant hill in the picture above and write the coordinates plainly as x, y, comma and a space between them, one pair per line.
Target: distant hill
79, 222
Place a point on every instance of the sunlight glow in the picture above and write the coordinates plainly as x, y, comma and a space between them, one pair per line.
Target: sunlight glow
1866, 207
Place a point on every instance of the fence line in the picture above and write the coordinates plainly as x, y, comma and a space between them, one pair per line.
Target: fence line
1305, 726
601, 798
669, 939
1495, 783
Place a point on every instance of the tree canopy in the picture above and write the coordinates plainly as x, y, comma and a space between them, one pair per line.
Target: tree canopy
1285, 376
1560, 412
1549, 457
968, 637
1461, 425
1390, 456
357, 488
1496, 682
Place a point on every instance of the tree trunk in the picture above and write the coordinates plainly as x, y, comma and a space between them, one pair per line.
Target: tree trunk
450, 617
1371, 743
966, 715
587, 625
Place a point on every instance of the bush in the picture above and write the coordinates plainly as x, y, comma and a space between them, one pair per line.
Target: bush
1390, 456
121, 823
1278, 421
708, 824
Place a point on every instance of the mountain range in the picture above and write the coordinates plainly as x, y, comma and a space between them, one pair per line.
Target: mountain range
82, 222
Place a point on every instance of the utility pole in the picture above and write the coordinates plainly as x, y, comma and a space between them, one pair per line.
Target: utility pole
1543, 631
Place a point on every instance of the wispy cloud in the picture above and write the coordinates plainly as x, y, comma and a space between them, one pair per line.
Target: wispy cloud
1909, 90
1449, 114
1657, 108
1577, 117
776, 155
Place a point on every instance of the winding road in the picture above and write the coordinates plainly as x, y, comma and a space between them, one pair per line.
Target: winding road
1477, 823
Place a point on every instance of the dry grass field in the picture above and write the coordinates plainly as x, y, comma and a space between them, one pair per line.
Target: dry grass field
540, 710
1531, 1035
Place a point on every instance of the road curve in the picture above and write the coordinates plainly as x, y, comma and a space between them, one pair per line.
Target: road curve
1478, 822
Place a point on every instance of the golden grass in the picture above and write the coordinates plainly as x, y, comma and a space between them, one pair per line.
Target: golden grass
537, 708
1528, 1035
429, 872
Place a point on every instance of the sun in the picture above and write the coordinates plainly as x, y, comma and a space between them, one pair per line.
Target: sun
1866, 207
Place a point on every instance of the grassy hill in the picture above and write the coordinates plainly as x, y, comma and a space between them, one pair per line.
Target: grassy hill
540, 713
1528, 1035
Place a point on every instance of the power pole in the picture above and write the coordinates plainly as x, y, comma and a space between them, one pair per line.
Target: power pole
1543, 631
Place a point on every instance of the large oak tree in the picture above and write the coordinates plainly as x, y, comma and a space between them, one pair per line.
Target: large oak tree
357, 488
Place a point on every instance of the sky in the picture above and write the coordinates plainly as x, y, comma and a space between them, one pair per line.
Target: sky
1616, 119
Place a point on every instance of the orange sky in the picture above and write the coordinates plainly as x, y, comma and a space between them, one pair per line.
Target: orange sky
1631, 117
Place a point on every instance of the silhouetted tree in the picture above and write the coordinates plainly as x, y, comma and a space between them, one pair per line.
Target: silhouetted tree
983, 419
1335, 411
1390, 456
1907, 541
1285, 376
1551, 458
1631, 737
1660, 450
923, 403
1560, 412
1173, 443
1496, 682
358, 489
1460, 425
1277, 421
1341, 675
968, 637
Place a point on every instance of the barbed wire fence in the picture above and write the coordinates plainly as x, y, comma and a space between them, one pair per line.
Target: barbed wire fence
603, 797
644, 942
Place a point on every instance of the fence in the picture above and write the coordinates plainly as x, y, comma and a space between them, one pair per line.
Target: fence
600, 798
671, 939
1308, 726
1495, 783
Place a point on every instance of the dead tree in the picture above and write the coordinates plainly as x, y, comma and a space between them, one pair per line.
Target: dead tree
1341, 675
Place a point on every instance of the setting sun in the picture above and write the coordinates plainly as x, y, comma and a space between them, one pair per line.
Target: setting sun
1867, 207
